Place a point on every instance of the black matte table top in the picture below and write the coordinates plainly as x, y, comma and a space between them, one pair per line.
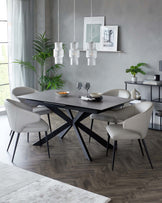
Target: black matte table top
73, 101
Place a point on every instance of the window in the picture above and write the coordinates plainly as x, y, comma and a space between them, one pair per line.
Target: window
4, 79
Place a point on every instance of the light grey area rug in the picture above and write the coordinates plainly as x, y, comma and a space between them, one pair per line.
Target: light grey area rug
21, 186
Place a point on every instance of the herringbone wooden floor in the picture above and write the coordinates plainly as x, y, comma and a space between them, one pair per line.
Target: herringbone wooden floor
132, 180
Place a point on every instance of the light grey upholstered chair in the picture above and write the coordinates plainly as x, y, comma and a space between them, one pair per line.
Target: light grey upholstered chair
42, 110
22, 119
109, 116
133, 128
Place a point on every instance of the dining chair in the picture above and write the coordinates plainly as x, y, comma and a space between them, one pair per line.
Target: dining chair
109, 116
133, 128
22, 119
42, 110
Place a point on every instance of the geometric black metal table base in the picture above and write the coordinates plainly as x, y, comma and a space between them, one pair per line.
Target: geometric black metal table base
74, 122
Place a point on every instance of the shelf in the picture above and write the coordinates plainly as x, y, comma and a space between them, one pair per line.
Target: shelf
157, 100
155, 127
106, 51
141, 83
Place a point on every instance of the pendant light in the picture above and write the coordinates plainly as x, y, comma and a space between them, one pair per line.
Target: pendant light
74, 52
91, 52
58, 52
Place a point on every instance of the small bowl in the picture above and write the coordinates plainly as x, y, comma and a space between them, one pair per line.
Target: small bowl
98, 99
95, 95
63, 93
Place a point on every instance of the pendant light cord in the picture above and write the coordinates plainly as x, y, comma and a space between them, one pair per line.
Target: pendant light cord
74, 20
91, 20
58, 16
91, 8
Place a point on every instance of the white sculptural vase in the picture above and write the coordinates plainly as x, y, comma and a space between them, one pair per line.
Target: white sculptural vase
134, 79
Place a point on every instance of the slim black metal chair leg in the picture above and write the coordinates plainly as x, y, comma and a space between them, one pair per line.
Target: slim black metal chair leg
18, 135
92, 123
91, 129
47, 144
49, 122
108, 142
28, 137
144, 144
114, 149
40, 138
139, 141
12, 134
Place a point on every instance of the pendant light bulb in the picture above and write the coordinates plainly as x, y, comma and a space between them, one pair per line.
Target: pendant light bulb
74, 53
58, 53
91, 54
91, 51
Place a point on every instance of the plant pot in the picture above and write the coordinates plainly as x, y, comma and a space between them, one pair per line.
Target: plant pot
134, 79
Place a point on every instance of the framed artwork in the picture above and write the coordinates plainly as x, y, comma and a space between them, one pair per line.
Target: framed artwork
92, 30
108, 38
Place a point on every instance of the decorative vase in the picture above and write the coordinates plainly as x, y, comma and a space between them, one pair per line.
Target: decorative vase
135, 94
134, 79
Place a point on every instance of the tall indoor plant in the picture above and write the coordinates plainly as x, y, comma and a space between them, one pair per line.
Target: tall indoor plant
136, 69
43, 50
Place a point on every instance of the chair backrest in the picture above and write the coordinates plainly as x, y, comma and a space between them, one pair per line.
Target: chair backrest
140, 121
142, 107
18, 91
19, 115
118, 93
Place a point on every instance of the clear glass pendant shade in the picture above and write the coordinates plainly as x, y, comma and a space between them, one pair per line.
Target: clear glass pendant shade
74, 53
58, 53
91, 54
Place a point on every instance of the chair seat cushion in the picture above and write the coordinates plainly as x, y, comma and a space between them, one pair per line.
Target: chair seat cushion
41, 110
36, 127
115, 115
105, 116
117, 132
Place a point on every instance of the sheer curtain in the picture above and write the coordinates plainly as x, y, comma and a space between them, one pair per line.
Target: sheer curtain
20, 32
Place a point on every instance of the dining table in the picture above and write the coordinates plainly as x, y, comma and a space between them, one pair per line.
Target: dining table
73, 110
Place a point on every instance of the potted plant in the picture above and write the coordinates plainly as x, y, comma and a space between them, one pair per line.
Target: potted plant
43, 50
134, 70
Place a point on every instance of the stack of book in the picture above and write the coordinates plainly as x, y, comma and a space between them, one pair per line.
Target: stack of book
152, 82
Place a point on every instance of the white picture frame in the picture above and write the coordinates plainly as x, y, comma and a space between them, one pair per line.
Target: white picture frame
92, 30
109, 38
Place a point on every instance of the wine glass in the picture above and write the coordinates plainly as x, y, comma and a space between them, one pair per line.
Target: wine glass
87, 86
79, 85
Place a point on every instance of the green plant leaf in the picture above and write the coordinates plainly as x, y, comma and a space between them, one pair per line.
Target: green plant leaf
135, 69
25, 64
141, 64
43, 49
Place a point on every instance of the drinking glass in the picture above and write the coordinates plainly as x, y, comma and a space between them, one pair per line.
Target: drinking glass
79, 85
87, 87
